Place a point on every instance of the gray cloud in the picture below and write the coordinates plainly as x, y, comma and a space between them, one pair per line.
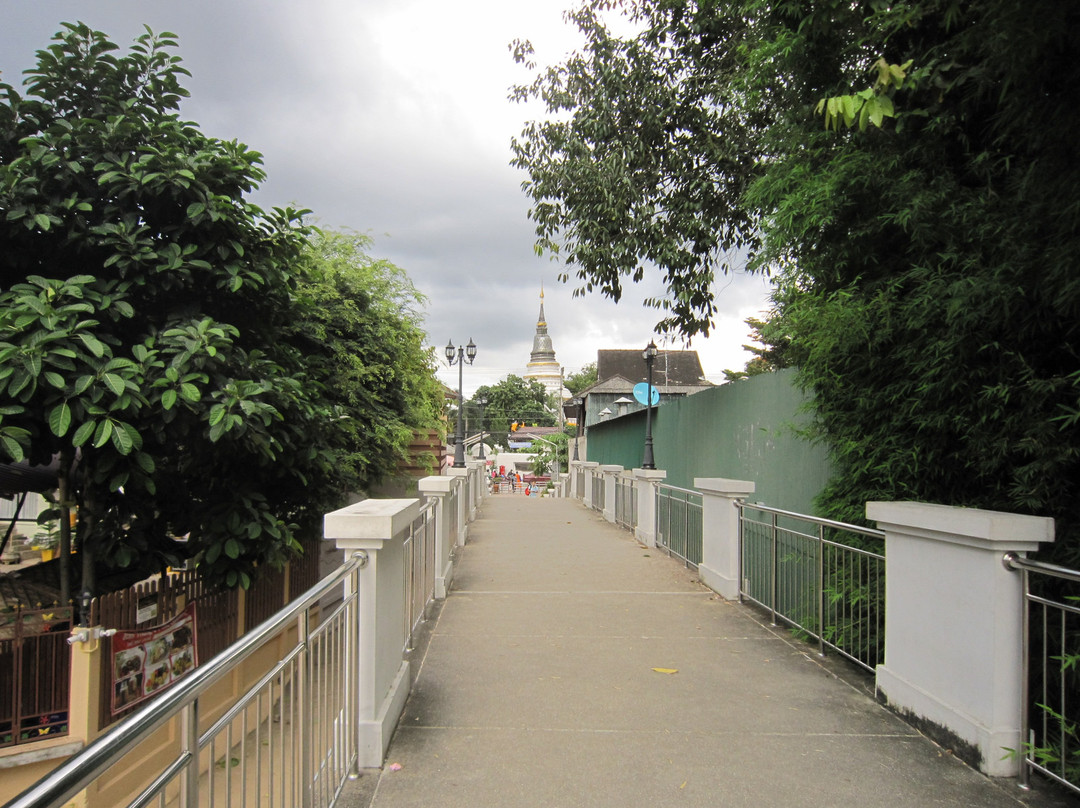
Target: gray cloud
390, 117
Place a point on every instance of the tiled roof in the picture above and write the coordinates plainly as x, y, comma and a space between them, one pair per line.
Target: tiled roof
670, 368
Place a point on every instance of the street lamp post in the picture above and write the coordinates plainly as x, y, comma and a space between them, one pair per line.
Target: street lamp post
579, 418
482, 401
649, 355
464, 354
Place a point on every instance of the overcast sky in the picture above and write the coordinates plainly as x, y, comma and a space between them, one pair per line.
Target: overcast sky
390, 117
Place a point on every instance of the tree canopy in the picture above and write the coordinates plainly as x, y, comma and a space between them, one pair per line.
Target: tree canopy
586, 377
514, 399
359, 328
173, 338
905, 171
769, 350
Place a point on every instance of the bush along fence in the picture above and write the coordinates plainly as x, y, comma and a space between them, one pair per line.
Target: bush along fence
293, 706
960, 643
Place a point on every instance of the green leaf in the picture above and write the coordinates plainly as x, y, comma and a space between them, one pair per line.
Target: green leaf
13, 448
114, 383
168, 399
232, 548
145, 462
216, 431
42, 221
55, 379
83, 433
213, 552
122, 439
104, 432
93, 344
60, 419
19, 379
217, 412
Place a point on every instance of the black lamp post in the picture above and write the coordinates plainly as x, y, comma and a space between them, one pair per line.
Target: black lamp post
579, 417
649, 355
464, 354
482, 401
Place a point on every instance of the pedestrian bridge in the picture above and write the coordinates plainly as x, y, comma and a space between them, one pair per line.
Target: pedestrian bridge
551, 658
571, 666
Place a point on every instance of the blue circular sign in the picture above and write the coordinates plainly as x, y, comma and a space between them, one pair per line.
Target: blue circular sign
641, 393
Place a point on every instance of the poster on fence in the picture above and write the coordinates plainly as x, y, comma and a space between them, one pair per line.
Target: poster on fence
146, 662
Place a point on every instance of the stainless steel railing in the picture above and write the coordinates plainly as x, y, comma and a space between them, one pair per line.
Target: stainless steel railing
599, 491
626, 513
808, 572
419, 568
679, 523
290, 740
1050, 706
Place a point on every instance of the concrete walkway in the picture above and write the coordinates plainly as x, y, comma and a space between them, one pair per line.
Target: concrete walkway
540, 687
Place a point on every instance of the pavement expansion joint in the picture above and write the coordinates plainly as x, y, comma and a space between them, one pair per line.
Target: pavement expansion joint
688, 733
592, 636
550, 592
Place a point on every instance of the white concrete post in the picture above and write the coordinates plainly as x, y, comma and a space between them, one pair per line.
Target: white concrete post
575, 469
464, 509
469, 493
378, 527
645, 482
438, 489
473, 467
719, 567
590, 469
611, 477
953, 616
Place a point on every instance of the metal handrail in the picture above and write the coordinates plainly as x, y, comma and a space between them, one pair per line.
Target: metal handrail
1012, 561
814, 520
76, 774
770, 600
1017, 563
673, 495
667, 487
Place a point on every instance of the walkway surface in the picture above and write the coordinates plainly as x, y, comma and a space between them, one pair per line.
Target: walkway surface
572, 667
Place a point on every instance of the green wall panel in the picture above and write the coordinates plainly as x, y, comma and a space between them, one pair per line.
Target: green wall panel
743, 430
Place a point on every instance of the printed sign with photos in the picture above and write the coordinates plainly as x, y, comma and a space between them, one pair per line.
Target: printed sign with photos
146, 662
